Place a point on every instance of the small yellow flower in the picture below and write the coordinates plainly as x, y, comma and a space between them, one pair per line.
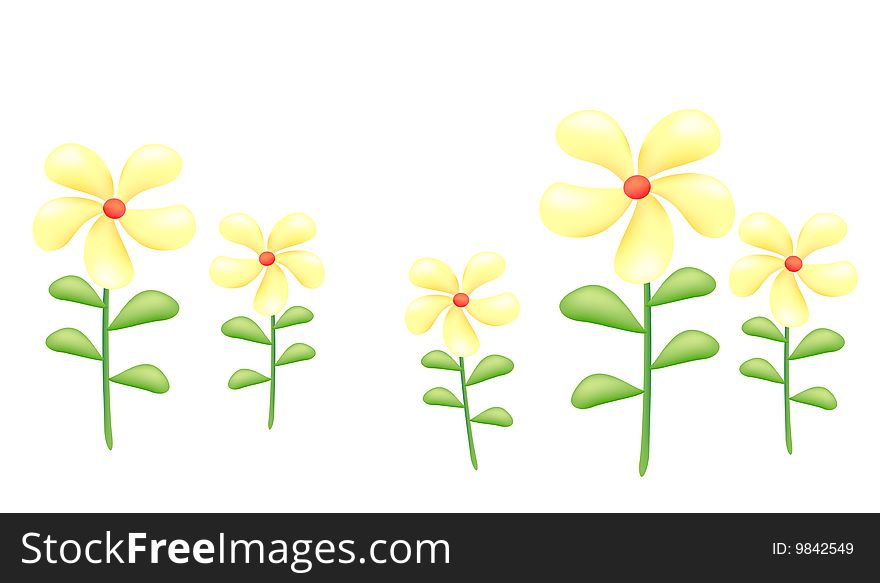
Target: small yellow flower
646, 248
786, 300
458, 333
292, 230
107, 260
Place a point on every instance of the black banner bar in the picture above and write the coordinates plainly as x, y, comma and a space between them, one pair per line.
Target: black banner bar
437, 547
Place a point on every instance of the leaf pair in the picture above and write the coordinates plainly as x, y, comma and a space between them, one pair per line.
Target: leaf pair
145, 307
758, 368
492, 416
246, 377
819, 341
598, 389
142, 376
490, 367
596, 304
243, 328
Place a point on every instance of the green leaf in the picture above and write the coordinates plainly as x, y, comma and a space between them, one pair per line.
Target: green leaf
758, 368
598, 389
490, 367
439, 359
494, 416
244, 328
293, 316
684, 284
819, 341
143, 376
145, 307
72, 341
296, 353
442, 397
817, 397
246, 377
72, 288
763, 328
687, 346
599, 305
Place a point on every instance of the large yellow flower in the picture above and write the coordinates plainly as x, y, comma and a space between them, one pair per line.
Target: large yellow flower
458, 333
107, 260
786, 300
292, 230
646, 248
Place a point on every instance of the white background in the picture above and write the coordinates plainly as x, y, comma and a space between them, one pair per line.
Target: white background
409, 129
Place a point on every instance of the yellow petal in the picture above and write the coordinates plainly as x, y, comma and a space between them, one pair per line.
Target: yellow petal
787, 302
242, 229
306, 267
79, 168
496, 310
823, 230
149, 166
272, 294
292, 230
107, 260
750, 272
574, 211
231, 272
830, 279
433, 274
679, 138
765, 231
458, 334
593, 136
58, 220
423, 312
482, 268
704, 201
164, 229
646, 247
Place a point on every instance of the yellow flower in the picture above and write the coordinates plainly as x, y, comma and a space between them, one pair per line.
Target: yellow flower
646, 248
107, 260
786, 300
292, 230
458, 333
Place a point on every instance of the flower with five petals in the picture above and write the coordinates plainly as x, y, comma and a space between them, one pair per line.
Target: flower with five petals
646, 248
458, 333
291, 230
107, 260
786, 300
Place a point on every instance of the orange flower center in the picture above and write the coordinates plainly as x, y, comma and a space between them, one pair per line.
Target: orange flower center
114, 208
637, 187
460, 300
267, 258
794, 263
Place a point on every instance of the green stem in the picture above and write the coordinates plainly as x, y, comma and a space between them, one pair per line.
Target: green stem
272, 374
646, 395
467, 413
786, 381
105, 368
